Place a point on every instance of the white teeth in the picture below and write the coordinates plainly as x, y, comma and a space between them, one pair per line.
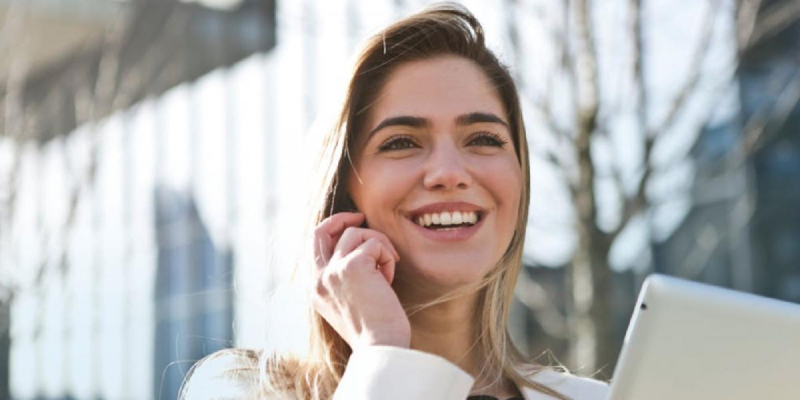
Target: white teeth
447, 218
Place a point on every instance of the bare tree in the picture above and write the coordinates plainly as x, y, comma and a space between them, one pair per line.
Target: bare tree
585, 130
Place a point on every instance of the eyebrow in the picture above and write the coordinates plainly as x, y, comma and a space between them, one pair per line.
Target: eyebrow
404, 120
419, 122
478, 117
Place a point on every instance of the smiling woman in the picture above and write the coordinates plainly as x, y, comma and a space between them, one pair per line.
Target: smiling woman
418, 235
441, 149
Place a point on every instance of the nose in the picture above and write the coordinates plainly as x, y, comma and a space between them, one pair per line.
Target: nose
446, 169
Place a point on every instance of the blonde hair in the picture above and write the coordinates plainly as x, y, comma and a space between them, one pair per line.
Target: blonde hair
442, 30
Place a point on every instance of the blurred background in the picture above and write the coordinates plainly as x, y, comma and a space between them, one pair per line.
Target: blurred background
151, 156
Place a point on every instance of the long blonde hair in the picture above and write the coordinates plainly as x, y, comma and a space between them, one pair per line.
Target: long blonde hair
445, 29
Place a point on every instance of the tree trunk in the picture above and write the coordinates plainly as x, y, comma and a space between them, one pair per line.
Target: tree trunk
591, 329
589, 279
5, 346
588, 276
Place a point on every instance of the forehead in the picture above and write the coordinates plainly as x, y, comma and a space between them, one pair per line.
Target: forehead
439, 89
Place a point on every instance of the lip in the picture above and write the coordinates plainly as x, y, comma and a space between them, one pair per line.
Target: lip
454, 235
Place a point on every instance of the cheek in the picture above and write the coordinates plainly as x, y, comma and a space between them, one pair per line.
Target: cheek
380, 191
504, 183
503, 179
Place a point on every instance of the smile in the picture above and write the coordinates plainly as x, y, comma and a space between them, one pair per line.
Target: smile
447, 220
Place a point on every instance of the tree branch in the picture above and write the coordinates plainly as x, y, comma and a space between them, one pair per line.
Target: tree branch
638, 200
708, 241
531, 294
634, 204
773, 20
746, 15
755, 131
637, 68
542, 103
756, 134
586, 105
695, 71
587, 86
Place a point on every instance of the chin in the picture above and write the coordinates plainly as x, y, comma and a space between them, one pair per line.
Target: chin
445, 271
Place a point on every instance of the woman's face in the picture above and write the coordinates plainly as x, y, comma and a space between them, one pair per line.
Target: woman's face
436, 171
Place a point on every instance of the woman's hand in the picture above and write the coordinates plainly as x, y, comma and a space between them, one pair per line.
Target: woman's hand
355, 268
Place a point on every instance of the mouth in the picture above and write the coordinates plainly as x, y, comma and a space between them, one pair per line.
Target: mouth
447, 216
447, 220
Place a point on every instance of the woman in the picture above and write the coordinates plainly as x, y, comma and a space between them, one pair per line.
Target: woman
418, 235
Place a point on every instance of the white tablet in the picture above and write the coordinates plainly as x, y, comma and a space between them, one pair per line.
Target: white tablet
691, 341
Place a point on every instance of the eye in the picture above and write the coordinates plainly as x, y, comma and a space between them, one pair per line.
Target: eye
400, 142
487, 139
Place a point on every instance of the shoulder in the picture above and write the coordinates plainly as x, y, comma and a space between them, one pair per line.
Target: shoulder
225, 375
572, 386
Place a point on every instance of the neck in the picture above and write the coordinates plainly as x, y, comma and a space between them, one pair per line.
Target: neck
450, 330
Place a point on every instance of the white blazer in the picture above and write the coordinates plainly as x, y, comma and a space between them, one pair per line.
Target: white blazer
382, 373
393, 373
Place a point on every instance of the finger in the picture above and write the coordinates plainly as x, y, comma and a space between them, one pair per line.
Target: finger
386, 264
354, 237
380, 257
327, 234
334, 225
